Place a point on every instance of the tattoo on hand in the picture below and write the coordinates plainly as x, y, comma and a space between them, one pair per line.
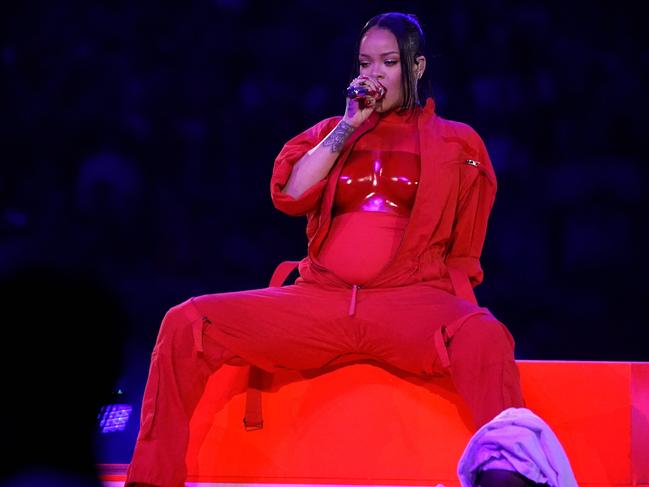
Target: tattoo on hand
337, 138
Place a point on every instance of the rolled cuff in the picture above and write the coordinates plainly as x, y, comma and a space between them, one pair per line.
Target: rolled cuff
301, 205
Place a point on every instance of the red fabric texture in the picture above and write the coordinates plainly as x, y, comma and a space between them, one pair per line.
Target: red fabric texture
382, 172
361, 243
447, 224
306, 326
406, 314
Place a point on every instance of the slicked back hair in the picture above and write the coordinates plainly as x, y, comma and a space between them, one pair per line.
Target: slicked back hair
411, 41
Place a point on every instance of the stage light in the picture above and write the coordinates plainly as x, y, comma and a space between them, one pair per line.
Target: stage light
114, 417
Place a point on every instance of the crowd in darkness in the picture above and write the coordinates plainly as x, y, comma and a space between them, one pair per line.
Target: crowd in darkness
138, 140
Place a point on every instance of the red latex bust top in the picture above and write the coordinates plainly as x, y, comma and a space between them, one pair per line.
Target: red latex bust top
382, 172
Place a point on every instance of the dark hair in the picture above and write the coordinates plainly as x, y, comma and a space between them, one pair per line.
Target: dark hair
411, 41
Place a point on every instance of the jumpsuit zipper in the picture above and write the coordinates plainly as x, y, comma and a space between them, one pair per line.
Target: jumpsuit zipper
355, 288
352, 304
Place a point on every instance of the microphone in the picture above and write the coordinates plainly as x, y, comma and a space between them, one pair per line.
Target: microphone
354, 92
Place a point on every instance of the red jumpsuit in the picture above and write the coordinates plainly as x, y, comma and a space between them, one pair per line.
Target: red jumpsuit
395, 233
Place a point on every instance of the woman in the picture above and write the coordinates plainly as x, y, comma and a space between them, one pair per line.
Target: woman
397, 201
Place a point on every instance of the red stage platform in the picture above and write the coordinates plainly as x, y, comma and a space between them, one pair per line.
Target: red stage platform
363, 425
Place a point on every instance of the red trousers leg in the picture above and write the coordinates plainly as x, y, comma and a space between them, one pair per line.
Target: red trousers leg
177, 378
304, 327
483, 369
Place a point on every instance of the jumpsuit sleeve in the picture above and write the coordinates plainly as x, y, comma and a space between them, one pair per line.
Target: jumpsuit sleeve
292, 152
476, 198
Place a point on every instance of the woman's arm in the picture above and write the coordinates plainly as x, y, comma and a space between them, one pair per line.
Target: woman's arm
316, 164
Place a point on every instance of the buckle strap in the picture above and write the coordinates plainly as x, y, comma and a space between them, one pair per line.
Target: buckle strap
462, 285
253, 418
444, 334
282, 271
197, 320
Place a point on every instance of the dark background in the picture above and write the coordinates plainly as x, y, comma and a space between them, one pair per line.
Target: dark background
138, 140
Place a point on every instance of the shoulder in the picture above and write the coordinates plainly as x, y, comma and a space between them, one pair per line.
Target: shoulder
460, 131
444, 127
472, 144
453, 132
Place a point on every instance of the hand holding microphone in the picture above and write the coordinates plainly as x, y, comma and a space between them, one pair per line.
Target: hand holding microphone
360, 92
362, 95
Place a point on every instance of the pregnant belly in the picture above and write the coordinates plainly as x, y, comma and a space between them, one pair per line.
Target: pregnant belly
361, 243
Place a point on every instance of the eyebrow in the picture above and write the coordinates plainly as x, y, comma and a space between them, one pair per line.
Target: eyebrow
383, 54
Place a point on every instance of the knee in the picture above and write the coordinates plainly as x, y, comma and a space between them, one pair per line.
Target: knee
484, 337
175, 327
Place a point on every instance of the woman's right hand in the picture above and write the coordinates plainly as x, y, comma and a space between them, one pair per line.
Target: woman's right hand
359, 109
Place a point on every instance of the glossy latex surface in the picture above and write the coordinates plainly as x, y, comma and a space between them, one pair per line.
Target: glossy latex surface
376, 180
382, 171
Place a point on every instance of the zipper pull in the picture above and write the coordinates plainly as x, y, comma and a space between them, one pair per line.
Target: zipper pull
352, 304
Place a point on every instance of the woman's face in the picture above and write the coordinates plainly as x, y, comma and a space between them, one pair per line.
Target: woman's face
379, 58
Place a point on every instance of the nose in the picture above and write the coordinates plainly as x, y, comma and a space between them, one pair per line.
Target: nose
376, 71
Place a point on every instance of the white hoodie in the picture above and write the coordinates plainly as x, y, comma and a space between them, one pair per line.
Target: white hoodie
519, 441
